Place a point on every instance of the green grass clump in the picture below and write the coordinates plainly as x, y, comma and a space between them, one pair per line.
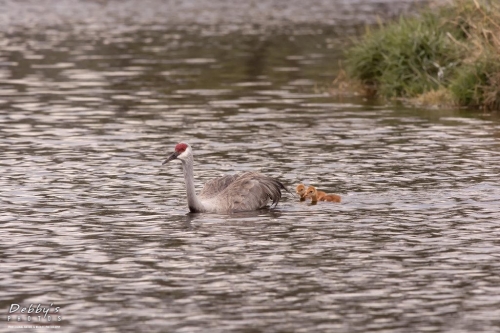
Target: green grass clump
454, 50
404, 59
477, 84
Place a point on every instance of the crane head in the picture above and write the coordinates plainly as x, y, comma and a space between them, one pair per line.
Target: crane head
181, 151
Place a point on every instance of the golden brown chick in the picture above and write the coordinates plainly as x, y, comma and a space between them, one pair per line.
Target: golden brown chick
301, 190
331, 198
316, 195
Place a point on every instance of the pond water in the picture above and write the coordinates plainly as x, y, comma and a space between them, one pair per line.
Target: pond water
93, 95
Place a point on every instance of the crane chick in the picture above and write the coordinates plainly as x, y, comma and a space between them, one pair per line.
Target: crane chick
301, 190
316, 195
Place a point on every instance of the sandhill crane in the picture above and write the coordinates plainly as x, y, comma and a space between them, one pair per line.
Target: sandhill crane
301, 190
316, 195
228, 194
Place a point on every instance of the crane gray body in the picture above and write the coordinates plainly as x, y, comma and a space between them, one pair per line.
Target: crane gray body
228, 194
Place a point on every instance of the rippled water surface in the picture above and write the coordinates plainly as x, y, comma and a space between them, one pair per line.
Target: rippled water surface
93, 95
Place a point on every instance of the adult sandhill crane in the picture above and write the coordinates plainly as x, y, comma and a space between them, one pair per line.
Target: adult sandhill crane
229, 194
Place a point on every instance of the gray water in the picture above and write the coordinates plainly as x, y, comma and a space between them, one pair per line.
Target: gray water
93, 95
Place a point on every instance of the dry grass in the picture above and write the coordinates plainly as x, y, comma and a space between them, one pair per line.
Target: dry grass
435, 98
344, 86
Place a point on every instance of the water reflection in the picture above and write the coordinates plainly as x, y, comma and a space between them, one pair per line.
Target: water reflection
93, 223
197, 220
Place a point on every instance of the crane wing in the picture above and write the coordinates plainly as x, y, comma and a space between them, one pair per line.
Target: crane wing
215, 186
251, 191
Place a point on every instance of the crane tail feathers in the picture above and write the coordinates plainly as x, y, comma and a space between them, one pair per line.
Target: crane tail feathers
274, 188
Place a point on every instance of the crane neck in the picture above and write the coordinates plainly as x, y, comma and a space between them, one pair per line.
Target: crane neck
194, 203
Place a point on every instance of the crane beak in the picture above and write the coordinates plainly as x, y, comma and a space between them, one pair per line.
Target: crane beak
171, 157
